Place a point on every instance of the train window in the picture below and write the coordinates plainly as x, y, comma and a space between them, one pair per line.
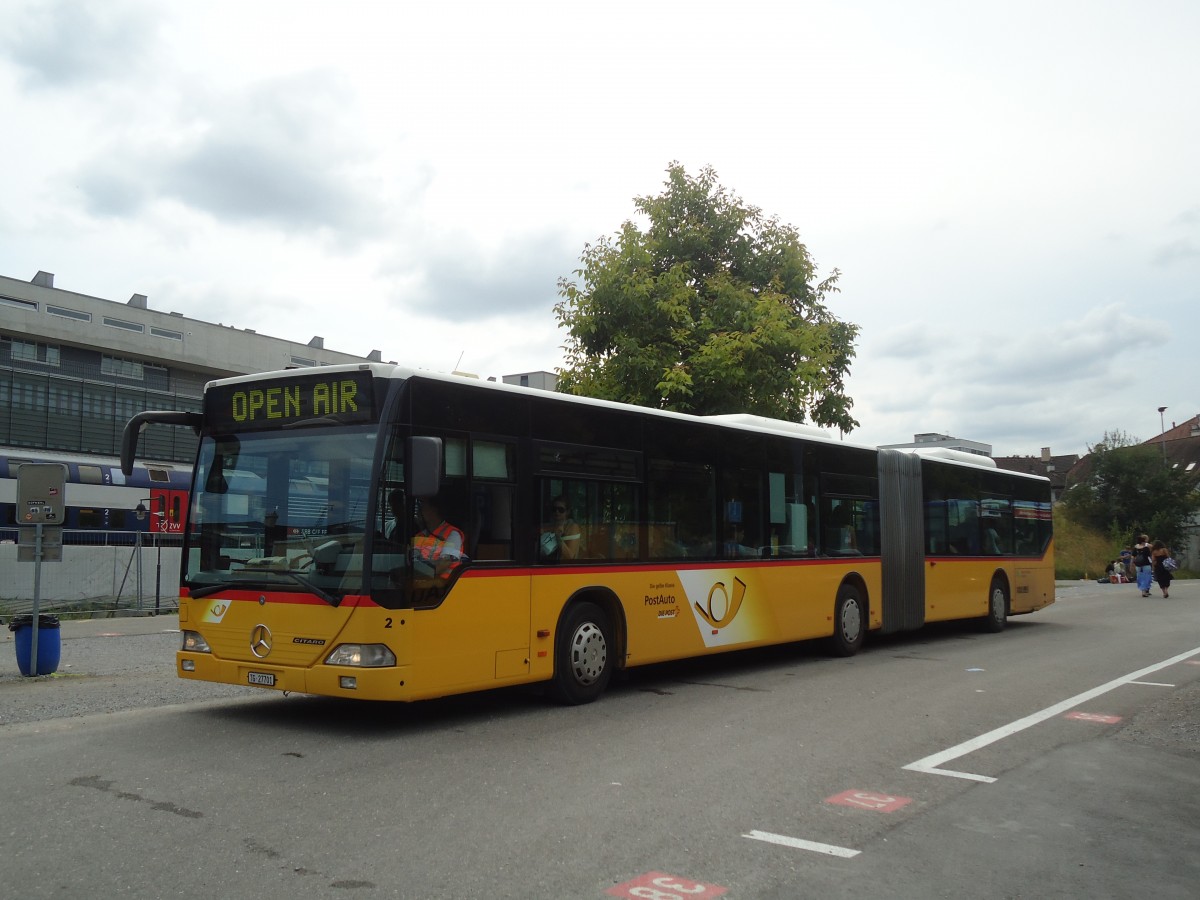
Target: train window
90, 474
91, 518
159, 475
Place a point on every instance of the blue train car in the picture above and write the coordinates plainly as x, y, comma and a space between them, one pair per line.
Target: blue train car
100, 498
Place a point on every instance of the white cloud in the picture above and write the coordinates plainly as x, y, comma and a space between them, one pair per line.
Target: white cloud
1011, 194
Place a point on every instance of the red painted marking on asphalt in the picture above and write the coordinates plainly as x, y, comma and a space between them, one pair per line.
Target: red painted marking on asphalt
869, 800
660, 886
1093, 717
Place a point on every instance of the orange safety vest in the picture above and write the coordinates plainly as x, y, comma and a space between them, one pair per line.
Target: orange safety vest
431, 545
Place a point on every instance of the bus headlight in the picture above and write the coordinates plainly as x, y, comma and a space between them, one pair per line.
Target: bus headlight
367, 656
194, 642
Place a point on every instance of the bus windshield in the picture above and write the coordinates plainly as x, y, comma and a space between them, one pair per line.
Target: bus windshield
284, 510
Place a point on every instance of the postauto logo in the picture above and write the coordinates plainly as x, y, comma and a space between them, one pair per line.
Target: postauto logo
717, 599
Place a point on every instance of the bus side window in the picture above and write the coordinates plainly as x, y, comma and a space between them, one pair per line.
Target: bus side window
683, 508
839, 534
490, 528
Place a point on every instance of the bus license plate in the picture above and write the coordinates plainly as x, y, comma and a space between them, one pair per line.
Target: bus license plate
264, 678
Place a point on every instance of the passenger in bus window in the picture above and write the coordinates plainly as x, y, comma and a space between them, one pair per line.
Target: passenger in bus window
734, 547
561, 537
699, 544
840, 534
437, 545
991, 541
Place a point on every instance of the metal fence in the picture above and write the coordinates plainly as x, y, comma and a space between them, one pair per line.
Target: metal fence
101, 572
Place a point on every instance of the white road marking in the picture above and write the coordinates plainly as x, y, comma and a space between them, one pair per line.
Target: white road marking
931, 765
784, 841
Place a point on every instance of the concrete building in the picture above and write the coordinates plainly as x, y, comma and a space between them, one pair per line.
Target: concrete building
75, 368
543, 381
931, 440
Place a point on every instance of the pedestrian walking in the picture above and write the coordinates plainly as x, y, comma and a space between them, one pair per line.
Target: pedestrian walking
1143, 564
1159, 554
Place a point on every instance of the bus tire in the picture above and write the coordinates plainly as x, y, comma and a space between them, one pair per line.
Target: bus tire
997, 614
583, 654
849, 622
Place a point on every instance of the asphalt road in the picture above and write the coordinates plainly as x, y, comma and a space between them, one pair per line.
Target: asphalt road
1058, 759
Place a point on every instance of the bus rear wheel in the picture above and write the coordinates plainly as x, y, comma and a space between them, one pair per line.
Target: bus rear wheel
997, 614
583, 660
849, 622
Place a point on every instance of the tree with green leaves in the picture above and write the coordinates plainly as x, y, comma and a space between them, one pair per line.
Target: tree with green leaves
1128, 489
709, 307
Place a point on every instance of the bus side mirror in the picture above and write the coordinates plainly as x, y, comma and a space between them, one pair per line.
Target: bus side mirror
424, 464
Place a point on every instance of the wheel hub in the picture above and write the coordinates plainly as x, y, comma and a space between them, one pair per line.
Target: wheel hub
589, 653
851, 621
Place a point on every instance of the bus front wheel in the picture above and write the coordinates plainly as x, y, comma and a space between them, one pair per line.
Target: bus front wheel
583, 660
849, 622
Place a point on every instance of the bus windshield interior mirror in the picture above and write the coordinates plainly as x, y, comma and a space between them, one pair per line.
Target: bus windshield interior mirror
424, 466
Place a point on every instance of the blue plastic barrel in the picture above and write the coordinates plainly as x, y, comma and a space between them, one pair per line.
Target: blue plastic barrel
49, 644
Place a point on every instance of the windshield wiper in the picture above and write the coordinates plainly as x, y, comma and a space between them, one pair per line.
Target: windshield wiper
258, 581
197, 593
312, 588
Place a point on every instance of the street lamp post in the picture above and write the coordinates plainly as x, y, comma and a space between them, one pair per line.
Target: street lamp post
141, 514
1162, 432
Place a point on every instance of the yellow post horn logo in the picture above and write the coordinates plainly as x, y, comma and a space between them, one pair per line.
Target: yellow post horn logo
721, 609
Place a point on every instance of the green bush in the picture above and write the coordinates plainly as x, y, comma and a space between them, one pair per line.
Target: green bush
1082, 553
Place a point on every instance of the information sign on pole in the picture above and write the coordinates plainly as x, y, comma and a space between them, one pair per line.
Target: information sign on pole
41, 502
41, 493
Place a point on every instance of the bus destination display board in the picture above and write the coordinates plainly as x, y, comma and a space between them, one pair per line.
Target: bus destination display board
324, 398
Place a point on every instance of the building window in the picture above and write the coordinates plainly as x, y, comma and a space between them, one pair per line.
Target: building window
24, 350
166, 333
120, 323
300, 361
69, 313
123, 368
28, 351
17, 303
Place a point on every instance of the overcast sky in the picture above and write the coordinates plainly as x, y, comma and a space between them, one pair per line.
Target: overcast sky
1011, 191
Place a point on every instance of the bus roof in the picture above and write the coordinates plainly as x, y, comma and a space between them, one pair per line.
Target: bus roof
739, 421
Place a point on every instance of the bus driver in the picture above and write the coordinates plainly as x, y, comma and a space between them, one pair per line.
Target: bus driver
437, 547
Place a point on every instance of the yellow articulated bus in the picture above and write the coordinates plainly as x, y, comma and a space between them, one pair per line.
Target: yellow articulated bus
373, 532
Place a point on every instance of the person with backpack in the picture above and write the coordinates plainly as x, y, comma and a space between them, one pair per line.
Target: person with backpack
1160, 556
1143, 564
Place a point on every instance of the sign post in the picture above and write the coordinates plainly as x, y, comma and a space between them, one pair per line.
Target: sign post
40, 504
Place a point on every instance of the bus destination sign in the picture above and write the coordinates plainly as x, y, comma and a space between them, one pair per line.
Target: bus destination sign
327, 398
